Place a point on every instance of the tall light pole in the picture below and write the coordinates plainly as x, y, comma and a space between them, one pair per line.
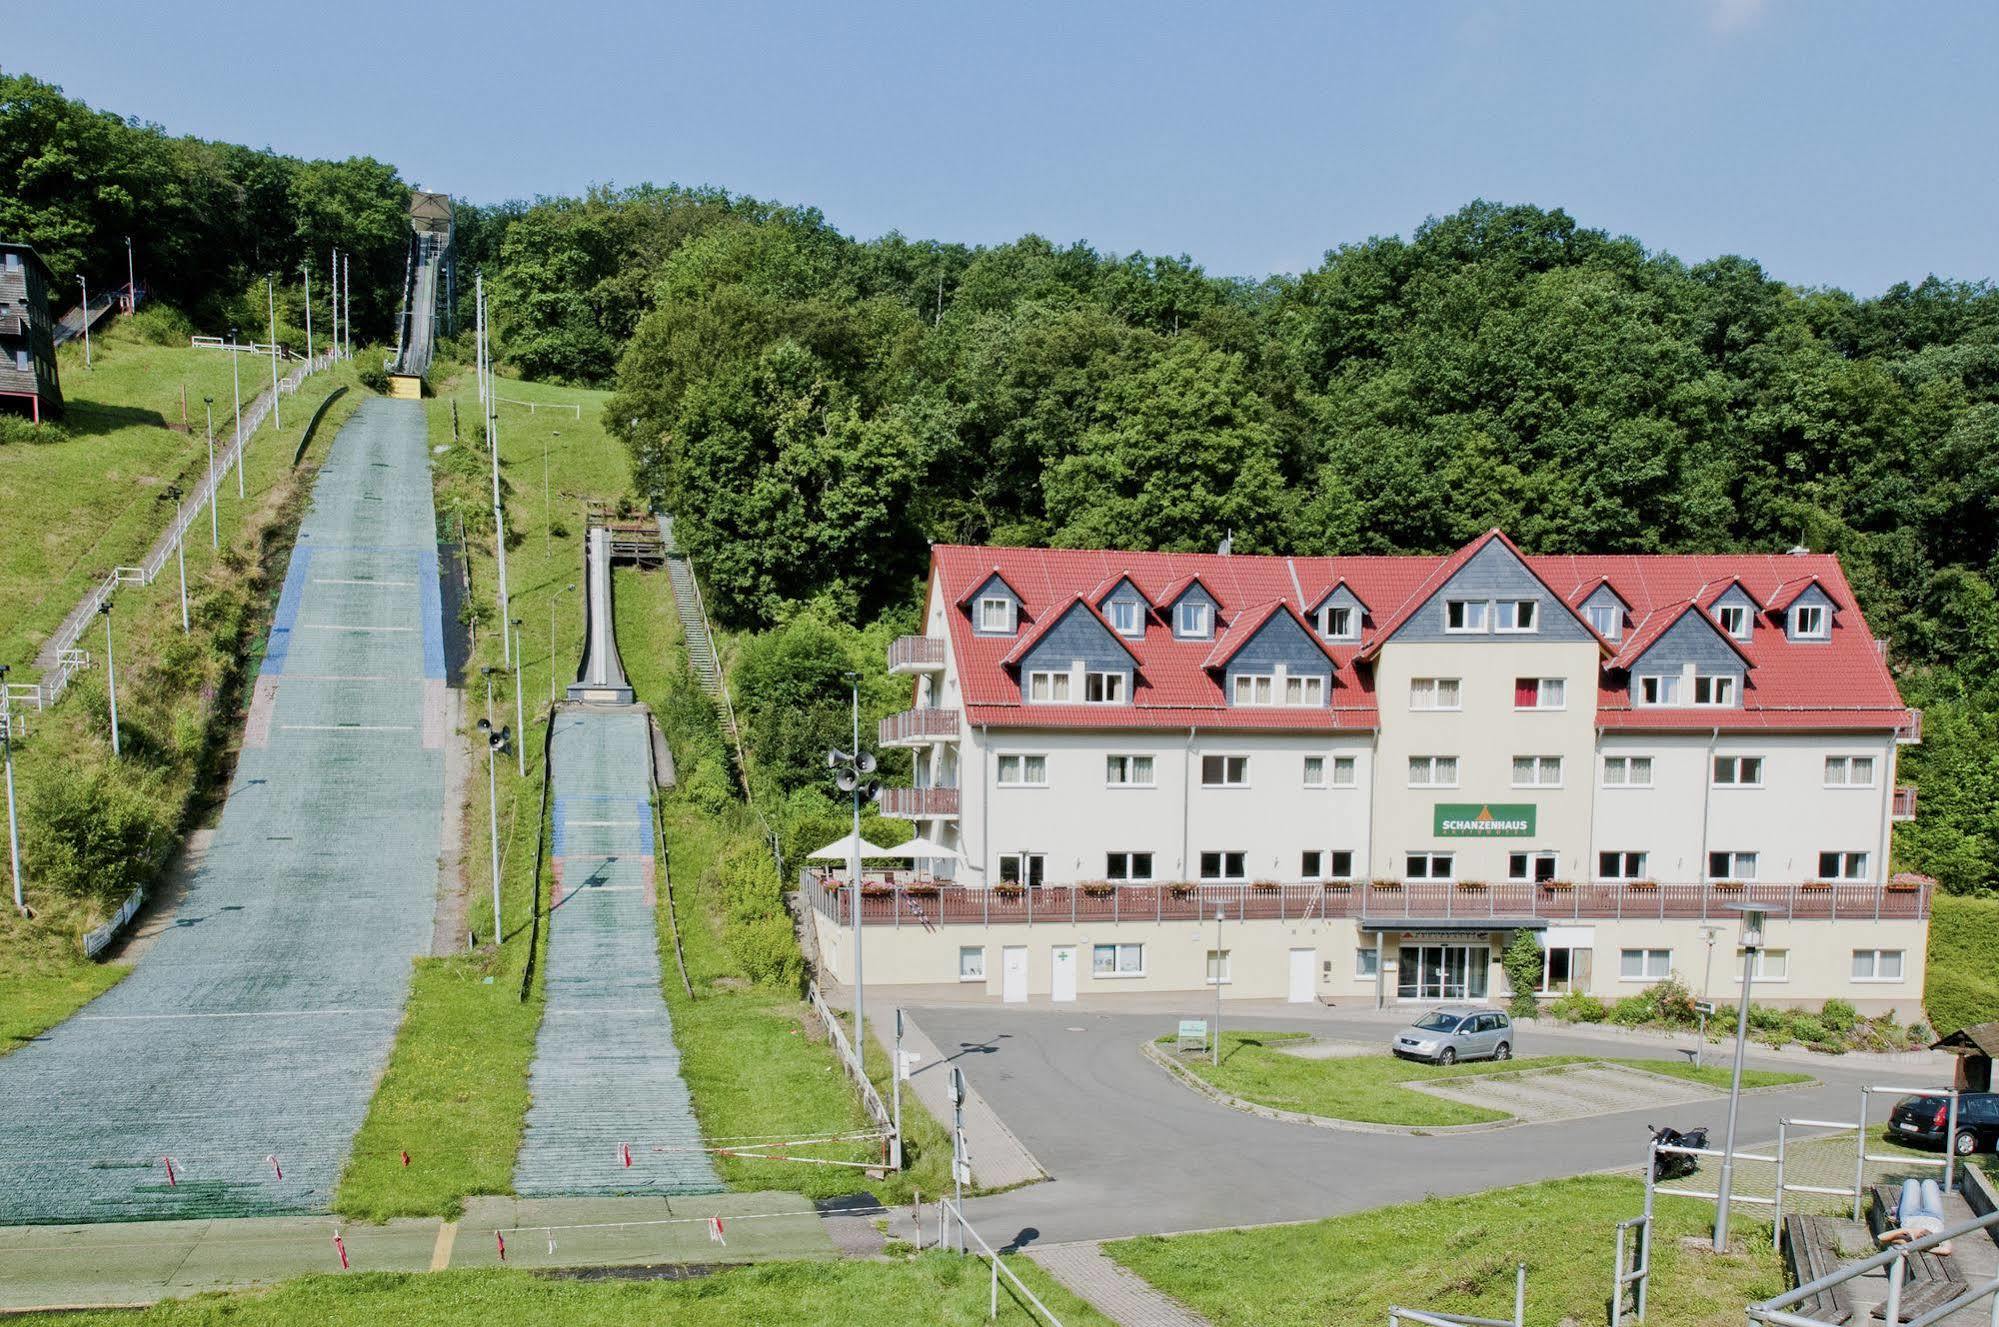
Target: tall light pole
110, 674
215, 480
13, 828
854, 768
305, 267
236, 376
521, 747
333, 298
277, 416
131, 280
496, 742
551, 644
493, 448
487, 673
86, 318
180, 543
347, 300
1215, 1042
1752, 942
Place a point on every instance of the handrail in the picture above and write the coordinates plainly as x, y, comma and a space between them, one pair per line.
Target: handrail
998, 1264
856, 1070
1772, 1310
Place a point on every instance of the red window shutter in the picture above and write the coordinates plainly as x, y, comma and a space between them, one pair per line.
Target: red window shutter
1527, 692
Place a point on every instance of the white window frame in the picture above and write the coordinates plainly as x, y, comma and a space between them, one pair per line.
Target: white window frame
1113, 684
1366, 962
1735, 777
963, 952
1254, 689
1058, 680
1193, 619
1018, 762
1118, 971
1333, 871
1721, 689
1312, 865
1474, 615
1436, 693
1845, 764
1131, 875
1629, 765
1315, 765
1215, 968
1344, 772
1130, 779
1228, 767
1431, 859
1850, 867
1506, 617
1349, 630
1606, 620
1432, 766
1666, 687
1735, 860
1646, 970
1529, 859
1025, 873
1822, 630
1543, 687
1222, 864
1309, 689
1127, 617
988, 602
1875, 957
1744, 620
1772, 965
1541, 767
1630, 865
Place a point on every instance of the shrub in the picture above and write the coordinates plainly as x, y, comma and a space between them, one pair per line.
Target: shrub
1672, 1003
751, 889
1838, 1015
374, 375
90, 833
162, 325
1810, 1030
20, 428
1763, 1018
1632, 1011
1578, 1007
767, 951
1522, 963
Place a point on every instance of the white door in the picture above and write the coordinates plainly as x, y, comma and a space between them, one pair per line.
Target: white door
1302, 963
1062, 980
1013, 974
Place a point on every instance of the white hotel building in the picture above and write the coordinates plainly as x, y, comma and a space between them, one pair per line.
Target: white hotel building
1378, 769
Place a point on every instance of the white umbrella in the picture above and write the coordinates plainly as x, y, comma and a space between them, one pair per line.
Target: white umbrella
922, 849
843, 850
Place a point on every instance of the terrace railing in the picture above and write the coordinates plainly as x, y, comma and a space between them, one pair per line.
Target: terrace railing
928, 725
919, 803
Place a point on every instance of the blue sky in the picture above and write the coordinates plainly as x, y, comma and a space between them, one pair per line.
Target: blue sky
1840, 144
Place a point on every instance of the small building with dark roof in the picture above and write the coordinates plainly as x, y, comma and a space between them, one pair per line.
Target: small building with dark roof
27, 332
1974, 1047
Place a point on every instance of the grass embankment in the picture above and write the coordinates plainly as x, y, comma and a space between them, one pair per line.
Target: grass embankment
93, 827
937, 1288
1375, 1089
455, 1095
1457, 1255
1962, 985
754, 1061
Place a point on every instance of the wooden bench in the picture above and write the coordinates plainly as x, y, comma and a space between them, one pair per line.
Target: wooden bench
1931, 1279
1812, 1251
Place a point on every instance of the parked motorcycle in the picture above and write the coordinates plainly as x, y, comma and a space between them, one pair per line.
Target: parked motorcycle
1674, 1165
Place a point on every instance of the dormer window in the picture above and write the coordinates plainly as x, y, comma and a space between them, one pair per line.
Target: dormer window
1734, 619
1659, 689
1809, 622
1717, 690
1518, 615
1193, 618
1465, 614
1337, 623
1267, 689
1604, 620
996, 614
1051, 687
1104, 688
1126, 619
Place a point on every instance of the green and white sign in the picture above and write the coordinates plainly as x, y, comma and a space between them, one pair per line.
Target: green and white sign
1484, 820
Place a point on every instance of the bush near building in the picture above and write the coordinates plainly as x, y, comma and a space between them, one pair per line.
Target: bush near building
1669, 1005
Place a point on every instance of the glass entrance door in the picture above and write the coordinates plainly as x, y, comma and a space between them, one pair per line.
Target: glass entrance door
1442, 972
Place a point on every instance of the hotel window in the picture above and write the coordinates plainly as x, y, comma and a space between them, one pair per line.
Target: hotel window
1429, 866
1738, 771
1048, 686
971, 963
1540, 693
1254, 688
1343, 771
1023, 868
1620, 865
1535, 866
1117, 960
1315, 864
1771, 965
1366, 963
1103, 688
1339, 864
1877, 965
1433, 771
1192, 619
1627, 771
1128, 867
1465, 614
1644, 964
1849, 771
1218, 967
1128, 771
1224, 771
996, 615
1734, 619
1435, 693
1537, 771
1842, 866
1125, 617
1605, 620
1566, 968
1305, 690
1714, 689
1315, 771
1311, 864
1659, 689
1517, 615
1731, 866
1808, 622
1337, 623
1221, 866
1021, 771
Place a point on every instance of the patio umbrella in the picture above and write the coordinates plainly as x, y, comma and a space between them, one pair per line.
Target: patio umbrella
843, 850
922, 849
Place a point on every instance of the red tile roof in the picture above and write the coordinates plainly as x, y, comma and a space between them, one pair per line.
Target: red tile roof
1840, 684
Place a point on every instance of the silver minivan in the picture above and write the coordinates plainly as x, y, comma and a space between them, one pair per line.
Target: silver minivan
1454, 1032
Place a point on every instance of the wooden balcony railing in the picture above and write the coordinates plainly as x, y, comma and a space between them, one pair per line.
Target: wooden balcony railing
919, 803
915, 654
1905, 804
915, 727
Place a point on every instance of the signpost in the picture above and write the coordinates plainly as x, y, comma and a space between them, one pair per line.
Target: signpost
1705, 1008
1193, 1033
961, 1164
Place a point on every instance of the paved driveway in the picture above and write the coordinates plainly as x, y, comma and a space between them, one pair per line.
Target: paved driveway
1132, 1152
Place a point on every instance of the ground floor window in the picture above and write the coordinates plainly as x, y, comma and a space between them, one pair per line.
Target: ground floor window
1428, 866
1366, 963
1224, 866
1117, 960
1218, 967
1023, 868
1442, 972
1620, 865
971, 963
1644, 964
1565, 969
1877, 965
1536, 866
1128, 867
1771, 965
1842, 866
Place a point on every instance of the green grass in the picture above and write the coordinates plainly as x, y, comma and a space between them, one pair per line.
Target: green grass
455, 1095
1374, 1089
1457, 1255
753, 1060
1962, 985
936, 1288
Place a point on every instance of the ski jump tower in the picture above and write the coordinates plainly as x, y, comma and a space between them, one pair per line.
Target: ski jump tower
428, 290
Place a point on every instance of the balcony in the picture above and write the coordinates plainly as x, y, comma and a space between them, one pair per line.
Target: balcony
1905, 804
920, 803
919, 728
915, 654
1910, 732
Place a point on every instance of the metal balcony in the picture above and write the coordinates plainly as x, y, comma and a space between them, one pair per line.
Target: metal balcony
919, 728
920, 803
915, 654
1910, 731
1905, 804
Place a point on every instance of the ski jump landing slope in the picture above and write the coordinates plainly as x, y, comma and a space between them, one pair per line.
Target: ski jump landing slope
249, 1039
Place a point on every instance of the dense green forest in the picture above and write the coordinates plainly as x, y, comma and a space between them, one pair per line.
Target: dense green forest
816, 408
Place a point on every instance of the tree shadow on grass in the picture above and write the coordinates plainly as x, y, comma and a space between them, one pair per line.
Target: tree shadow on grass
85, 419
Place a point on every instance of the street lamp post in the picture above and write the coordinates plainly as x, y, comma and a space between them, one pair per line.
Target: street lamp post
1752, 943
13, 827
1215, 1042
277, 415
215, 480
131, 280
305, 269
487, 673
521, 747
110, 674
496, 743
86, 318
236, 376
180, 548
854, 768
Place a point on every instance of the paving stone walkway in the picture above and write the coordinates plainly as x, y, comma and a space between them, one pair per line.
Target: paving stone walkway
1124, 1297
999, 1160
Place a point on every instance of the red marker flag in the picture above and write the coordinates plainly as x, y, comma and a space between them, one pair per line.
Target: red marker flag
340, 1247
406, 1158
715, 1231
503, 1245
625, 1151
275, 1166
170, 1172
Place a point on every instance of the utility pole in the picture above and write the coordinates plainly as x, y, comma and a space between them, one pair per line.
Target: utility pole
110, 674
493, 448
86, 318
277, 417
854, 768
215, 480
496, 742
131, 280
347, 299
180, 543
7, 751
334, 299
306, 268
521, 747
1752, 943
236, 376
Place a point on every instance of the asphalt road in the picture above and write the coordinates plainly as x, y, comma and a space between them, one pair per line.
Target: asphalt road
1134, 1152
